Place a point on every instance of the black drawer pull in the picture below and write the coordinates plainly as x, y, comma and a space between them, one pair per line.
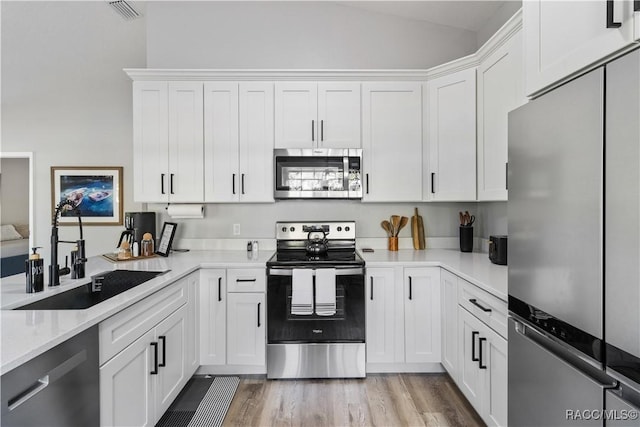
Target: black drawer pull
475, 302
474, 334
480, 363
245, 280
164, 351
155, 358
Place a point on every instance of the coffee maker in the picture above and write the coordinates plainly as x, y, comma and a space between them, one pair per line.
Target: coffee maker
136, 224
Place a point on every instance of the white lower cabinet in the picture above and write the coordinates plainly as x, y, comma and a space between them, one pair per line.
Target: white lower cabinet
483, 368
449, 309
402, 318
147, 355
422, 315
232, 320
139, 383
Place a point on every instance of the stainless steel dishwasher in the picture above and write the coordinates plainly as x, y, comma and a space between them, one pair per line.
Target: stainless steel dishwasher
58, 388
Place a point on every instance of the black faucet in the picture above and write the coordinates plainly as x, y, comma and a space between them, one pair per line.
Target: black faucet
79, 258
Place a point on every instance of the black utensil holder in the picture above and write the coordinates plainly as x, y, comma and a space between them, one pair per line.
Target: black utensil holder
466, 239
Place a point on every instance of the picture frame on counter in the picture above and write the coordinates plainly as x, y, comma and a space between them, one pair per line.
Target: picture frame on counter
166, 238
95, 190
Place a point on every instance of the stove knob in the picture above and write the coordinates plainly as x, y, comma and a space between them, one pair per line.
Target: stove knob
339, 228
284, 229
346, 228
292, 229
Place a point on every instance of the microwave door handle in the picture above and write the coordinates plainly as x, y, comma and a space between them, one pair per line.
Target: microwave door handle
345, 173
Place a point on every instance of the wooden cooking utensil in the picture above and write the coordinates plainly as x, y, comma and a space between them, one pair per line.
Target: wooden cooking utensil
403, 221
387, 227
395, 223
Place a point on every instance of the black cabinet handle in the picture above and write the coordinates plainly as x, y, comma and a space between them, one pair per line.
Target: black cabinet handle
155, 358
367, 179
233, 184
259, 315
433, 176
475, 302
321, 130
474, 334
162, 183
313, 131
171, 184
480, 363
219, 289
245, 280
371, 293
164, 351
506, 176
610, 20
410, 289
242, 178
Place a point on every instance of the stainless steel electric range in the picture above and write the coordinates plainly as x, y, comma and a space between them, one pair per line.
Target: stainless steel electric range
315, 302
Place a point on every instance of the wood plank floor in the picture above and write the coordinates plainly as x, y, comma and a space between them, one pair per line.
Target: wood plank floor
378, 400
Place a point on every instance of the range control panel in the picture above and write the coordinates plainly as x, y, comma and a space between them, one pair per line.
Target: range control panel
334, 230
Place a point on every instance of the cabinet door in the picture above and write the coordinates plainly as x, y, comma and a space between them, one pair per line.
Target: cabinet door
127, 386
493, 353
246, 340
470, 376
562, 37
213, 317
193, 325
500, 90
391, 141
256, 142
221, 161
339, 115
186, 142
449, 307
451, 131
422, 315
381, 295
150, 141
296, 106
171, 336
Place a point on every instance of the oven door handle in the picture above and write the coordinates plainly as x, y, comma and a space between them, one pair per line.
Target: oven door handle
339, 271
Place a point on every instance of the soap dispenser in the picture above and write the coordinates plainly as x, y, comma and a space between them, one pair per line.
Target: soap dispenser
34, 270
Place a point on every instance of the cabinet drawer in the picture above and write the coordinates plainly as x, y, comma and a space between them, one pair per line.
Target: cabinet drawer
486, 307
246, 280
122, 329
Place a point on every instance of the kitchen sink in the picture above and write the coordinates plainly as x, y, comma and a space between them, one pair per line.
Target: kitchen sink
113, 283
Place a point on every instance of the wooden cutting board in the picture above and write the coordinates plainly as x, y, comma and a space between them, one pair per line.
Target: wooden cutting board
417, 231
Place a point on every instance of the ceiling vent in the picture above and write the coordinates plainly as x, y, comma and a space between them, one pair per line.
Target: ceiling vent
124, 9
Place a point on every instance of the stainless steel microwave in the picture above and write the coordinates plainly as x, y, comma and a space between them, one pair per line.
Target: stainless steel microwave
318, 173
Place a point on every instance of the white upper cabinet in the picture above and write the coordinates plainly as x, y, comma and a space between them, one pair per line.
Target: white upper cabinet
221, 153
563, 37
451, 137
392, 141
317, 115
168, 142
238, 141
500, 90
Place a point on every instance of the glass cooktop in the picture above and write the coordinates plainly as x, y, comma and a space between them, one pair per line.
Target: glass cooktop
293, 258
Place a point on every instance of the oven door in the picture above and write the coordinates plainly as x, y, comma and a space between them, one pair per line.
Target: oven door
346, 326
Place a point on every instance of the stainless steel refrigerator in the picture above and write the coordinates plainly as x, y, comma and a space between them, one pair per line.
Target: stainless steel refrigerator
574, 252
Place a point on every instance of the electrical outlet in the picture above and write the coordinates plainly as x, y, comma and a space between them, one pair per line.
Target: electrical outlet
236, 229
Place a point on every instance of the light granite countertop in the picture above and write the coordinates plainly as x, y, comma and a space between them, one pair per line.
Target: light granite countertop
29, 333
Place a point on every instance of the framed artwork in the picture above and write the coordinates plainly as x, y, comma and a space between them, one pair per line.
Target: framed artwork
166, 238
95, 190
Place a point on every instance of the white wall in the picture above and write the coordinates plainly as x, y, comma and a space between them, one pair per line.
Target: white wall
66, 98
283, 34
14, 191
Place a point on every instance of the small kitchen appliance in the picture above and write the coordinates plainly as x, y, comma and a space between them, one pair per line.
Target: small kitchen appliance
136, 225
498, 249
315, 302
318, 173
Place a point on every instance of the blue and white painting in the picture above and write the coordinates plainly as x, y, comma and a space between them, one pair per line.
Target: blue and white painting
92, 195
